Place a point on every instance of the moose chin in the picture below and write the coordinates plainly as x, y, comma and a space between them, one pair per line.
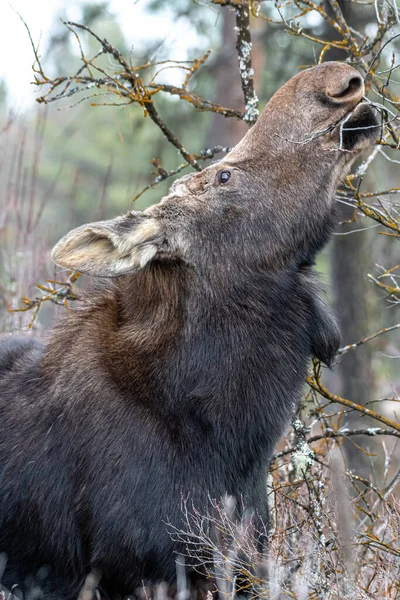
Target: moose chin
179, 374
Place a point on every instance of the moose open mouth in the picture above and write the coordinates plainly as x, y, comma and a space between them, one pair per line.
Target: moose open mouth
358, 128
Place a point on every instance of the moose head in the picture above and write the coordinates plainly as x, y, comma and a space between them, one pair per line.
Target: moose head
268, 202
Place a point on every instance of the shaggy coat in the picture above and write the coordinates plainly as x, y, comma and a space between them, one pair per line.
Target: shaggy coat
178, 376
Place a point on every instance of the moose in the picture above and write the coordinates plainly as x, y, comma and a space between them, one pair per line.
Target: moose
179, 374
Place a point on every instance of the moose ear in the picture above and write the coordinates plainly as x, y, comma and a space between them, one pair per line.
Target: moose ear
111, 248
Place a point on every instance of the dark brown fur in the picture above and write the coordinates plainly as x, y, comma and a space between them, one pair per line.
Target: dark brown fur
177, 377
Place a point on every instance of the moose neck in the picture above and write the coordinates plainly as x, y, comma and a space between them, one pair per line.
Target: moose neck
222, 360
192, 341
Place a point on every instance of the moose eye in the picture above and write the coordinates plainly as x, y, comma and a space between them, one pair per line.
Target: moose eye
224, 176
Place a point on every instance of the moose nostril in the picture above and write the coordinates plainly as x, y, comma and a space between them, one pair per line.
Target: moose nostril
353, 85
351, 88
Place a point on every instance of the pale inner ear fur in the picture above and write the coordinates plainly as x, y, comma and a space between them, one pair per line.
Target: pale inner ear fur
109, 248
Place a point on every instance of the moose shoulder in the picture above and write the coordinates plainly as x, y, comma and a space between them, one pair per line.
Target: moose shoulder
177, 378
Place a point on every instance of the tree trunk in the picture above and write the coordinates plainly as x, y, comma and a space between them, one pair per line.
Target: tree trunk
349, 258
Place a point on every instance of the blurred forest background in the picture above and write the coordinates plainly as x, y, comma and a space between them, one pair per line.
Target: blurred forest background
68, 162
